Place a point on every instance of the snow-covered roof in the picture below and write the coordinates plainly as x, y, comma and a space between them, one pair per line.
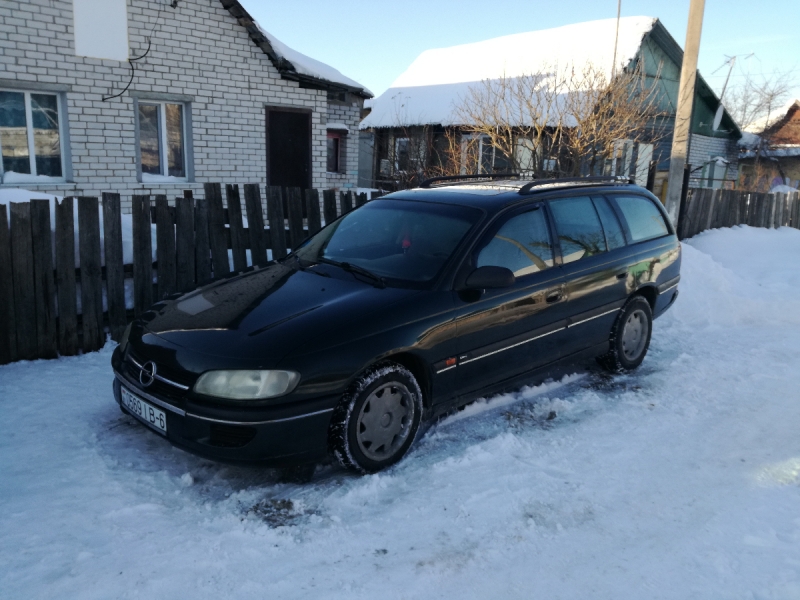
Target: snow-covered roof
426, 93
748, 140
776, 115
783, 151
291, 63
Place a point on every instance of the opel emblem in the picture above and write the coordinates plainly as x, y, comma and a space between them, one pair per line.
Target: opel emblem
148, 373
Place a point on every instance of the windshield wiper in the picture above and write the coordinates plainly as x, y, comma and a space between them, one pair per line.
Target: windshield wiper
355, 269
305, 268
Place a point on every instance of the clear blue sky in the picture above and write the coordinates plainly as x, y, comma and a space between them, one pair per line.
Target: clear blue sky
374, 41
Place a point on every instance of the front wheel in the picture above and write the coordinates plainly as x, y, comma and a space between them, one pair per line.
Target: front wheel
630, 336
377, 419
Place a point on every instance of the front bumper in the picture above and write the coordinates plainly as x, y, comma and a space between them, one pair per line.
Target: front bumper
281, 441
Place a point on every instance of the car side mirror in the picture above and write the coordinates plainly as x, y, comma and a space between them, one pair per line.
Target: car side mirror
490, 277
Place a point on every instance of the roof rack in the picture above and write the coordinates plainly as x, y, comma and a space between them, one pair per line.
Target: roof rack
593, 179
455, 178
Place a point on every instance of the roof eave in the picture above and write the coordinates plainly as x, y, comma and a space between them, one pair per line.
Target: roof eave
284, 67
673, 50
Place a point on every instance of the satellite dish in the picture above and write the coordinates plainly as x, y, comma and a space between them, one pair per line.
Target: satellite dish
717, 118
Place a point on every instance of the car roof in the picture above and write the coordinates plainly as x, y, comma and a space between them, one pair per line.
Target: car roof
493, 196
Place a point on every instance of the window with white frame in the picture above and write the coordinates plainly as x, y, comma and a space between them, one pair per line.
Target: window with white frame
401, 154
31, 138
162, 140
479, 156
334, 152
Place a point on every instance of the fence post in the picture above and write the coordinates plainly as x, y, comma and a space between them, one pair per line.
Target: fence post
91, 273
329, 206
294, 202
44, 284
142, 255
683, 206
202, 256
277, 231
238, 249
651, 176
716, 203
65, 278
165, 248
758, 212
22, 273
785, 210
255, 224
312, 210
346, 199
216, 230
184, 244
8, 334
115, 276
777, 209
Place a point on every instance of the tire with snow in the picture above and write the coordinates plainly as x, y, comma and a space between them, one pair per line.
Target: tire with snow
630, 336
377, 419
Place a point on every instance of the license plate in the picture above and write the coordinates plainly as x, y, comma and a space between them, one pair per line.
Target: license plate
146, 412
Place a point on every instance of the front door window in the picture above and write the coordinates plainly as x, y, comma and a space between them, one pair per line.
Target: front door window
522, 244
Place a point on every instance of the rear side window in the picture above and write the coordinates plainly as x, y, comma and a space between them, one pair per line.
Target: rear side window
522, 244
645, 221
614, 236
579, 231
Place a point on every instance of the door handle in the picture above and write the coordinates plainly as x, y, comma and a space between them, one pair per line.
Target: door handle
622, 275
554, 296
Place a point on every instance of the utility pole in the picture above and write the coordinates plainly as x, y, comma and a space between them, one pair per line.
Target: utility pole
683, 116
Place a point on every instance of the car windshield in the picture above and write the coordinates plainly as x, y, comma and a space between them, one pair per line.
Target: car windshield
403, 242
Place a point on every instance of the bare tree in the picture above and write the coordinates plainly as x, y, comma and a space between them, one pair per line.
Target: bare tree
754, 102
563, 121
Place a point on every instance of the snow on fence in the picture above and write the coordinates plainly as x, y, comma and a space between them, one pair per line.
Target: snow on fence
710, 209
51, 306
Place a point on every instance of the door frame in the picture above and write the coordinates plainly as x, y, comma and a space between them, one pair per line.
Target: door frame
268, 108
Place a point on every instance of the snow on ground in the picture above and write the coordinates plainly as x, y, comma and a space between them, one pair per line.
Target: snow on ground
681, 480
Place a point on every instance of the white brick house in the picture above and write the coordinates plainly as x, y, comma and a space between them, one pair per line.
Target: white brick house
214, 99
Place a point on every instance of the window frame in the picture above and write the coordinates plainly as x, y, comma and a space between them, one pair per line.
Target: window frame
491, 231
396, 160
336, 135
596, 198
612, 200
33, 176
164, 176
484, 141
599, 221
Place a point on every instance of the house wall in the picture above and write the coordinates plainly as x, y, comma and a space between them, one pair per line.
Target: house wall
199, 54
349, 113
702, 149
769, 172
787, 131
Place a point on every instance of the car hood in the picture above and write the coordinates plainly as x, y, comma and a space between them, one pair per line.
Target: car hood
261, 316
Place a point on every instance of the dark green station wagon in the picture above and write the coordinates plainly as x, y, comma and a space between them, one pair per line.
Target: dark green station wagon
401, 310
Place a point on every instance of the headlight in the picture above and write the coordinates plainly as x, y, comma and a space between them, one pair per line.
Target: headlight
246, 385
123, 341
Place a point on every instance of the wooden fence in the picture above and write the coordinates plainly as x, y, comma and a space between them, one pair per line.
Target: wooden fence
48, 307
40, 315
710, 209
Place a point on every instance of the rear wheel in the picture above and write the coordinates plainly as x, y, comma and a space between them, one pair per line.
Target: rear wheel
377, 419
630, 336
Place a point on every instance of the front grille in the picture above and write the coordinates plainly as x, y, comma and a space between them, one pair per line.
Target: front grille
230, 436
158, 388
